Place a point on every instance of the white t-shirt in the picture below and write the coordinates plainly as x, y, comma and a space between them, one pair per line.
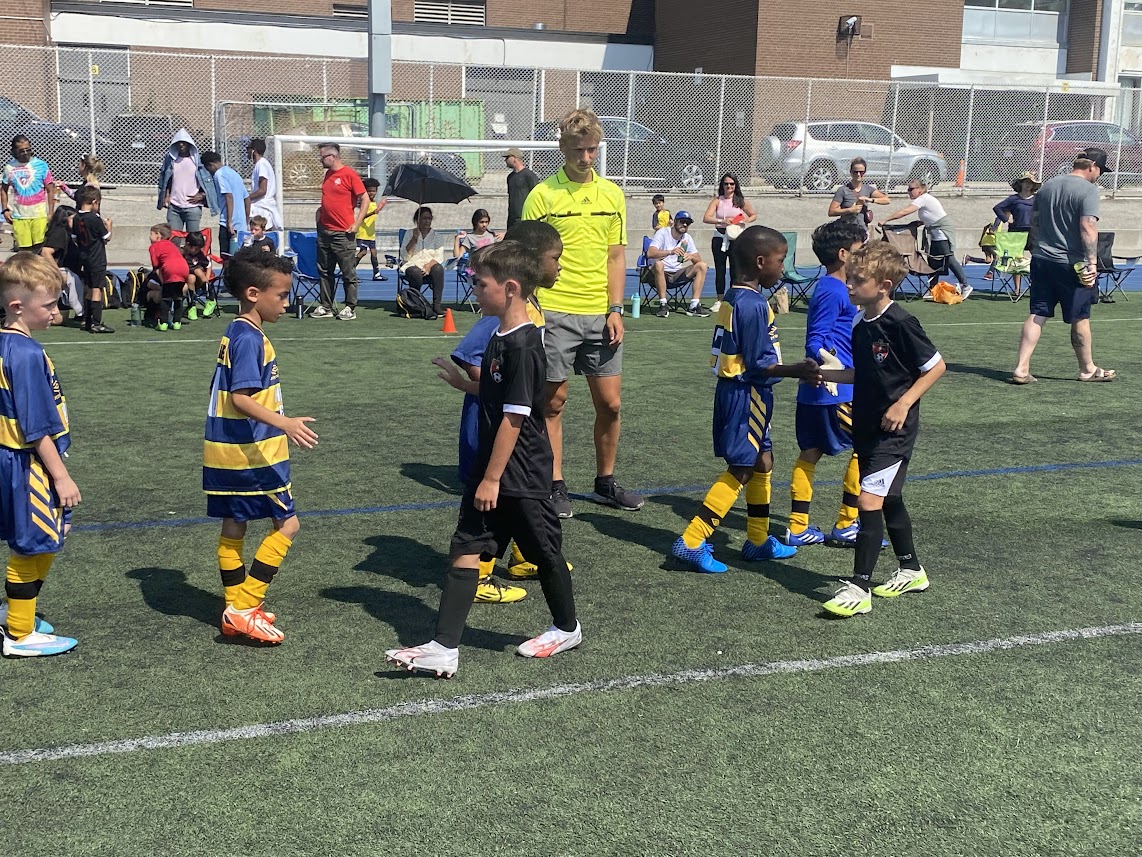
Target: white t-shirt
664, 240
267, 206
929, 210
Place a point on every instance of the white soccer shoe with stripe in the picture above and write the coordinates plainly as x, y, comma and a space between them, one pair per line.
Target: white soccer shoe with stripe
431, 658
551, 642
37, 645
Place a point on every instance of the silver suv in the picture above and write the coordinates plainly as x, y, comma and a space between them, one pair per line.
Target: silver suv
819, 156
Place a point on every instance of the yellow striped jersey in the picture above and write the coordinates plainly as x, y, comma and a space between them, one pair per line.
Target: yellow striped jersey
243, 455
745, 339
32, 405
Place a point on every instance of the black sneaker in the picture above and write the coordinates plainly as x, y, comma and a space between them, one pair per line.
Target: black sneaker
698, 310
663, 311
560, 500
100, 328
609, 493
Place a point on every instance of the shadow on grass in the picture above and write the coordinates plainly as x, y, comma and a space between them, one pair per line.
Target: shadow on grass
441, 477
166, 591
413, 621
405, 559
981, 371
1127, 525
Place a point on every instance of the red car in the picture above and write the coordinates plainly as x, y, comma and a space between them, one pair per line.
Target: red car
1057, 143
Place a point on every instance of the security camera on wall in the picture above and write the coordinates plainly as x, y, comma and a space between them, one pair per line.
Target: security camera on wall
849, 25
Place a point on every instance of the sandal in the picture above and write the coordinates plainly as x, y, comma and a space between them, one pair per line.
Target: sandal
1020, 380
1099, 375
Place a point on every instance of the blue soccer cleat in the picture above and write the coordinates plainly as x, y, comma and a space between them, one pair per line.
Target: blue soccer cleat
700, 559
771, 548
847, 538
808, 536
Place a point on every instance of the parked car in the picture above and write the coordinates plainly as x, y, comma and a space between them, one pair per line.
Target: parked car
141, 141
300, 168
58, 144
817, 155
1056, 144
650, 158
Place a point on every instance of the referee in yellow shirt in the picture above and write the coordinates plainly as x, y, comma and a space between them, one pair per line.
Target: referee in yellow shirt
584, 310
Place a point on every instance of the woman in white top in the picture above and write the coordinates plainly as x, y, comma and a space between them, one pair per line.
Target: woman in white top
941, 232
728, 208
422, 257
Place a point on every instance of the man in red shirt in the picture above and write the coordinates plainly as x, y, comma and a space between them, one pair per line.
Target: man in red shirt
339, 217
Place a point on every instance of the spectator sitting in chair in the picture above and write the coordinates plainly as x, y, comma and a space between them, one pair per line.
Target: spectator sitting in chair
422, 257
675, 257
199, 276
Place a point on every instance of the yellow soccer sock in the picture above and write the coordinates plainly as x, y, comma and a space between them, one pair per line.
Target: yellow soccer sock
486, 568
268, 559
849, 512
758, 493
22, 585
231, 567
801, 492
720, 499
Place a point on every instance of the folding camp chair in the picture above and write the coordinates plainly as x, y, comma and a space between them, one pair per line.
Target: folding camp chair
402, 280
905, 239
677, 292
799, 285
306, 281
1011, 261
208, 298
464, 292
1111, 277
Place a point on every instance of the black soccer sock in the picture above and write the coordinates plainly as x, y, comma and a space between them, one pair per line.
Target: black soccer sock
176, 309
867, 547
455, 602
168, 306
376, 264
87, 312
899, 526
96, 313
555, 580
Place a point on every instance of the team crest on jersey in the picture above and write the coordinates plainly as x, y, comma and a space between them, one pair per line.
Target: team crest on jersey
880, 351
494, 368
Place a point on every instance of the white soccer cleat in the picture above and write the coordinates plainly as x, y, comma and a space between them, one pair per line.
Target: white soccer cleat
37, 645
430, 658
551, 642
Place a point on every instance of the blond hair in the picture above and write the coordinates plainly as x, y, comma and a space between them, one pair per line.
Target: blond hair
579, 124
877, 261
163, 230
28, 273
94, 167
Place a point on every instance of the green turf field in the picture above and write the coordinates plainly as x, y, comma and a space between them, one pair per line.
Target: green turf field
645, 741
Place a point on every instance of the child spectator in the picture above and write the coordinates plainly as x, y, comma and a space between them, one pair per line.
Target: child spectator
92, 232
258, 237
480, 236
199, 275
245, 471
825, 413
542, 241
60, 247
894, 364
747, 363
37, 492
509, 492
660, 217
367, 234
170, 270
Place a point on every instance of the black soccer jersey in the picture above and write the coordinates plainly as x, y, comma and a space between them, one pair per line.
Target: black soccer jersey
889, 353
89, 230
513, 376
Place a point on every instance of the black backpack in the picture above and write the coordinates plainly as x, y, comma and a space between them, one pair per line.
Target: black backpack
411, 303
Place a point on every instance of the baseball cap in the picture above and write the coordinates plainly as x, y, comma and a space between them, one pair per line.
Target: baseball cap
1099, 158
683, 215
514, 151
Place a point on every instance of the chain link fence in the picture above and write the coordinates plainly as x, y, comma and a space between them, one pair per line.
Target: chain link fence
664, 131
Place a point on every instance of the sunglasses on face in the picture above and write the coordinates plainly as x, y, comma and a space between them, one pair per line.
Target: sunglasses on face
26, 151
857, 172
729, 184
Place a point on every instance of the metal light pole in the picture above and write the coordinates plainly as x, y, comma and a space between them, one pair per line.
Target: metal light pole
380, 63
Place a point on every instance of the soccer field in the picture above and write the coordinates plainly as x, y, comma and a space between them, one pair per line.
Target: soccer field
995, 714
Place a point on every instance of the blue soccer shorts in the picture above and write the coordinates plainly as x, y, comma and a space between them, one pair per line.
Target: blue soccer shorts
31, 519
742, 414
251, 507
828, 428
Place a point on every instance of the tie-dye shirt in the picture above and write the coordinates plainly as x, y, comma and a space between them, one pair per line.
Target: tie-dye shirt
28, 188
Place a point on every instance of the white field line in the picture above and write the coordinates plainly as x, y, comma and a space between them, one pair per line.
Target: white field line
428, 707
104, 342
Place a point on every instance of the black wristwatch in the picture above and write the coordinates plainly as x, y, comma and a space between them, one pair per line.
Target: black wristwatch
615, 308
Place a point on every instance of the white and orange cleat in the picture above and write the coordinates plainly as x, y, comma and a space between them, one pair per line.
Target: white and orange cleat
431, 658
551, 642
231, 631
252, 623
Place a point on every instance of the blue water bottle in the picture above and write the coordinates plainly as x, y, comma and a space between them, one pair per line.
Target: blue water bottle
635, 306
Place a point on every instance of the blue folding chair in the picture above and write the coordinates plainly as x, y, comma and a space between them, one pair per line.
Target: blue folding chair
464, 282
306, 281
677, 292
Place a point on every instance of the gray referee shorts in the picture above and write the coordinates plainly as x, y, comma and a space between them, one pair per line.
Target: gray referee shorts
579, 342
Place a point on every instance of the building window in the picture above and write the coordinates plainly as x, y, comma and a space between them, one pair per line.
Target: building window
1132, 25
1006, 21
152, 2
349, 10
471, 12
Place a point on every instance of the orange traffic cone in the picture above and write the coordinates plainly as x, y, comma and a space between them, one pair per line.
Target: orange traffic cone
449, 323
961, 176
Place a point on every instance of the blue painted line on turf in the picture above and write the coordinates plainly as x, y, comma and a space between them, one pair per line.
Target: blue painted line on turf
671, 489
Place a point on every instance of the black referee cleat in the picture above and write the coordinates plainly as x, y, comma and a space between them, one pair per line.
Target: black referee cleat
609, 493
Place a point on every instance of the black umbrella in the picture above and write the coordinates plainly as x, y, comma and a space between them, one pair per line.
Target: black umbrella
424, 183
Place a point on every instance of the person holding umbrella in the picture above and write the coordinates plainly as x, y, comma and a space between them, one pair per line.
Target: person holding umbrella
342, 209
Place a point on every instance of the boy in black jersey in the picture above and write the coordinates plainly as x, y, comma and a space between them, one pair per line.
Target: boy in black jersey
894, 365
509, 490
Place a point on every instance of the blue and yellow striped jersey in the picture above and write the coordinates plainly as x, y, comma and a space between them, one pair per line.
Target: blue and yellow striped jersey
32, 405
745, 339
242, 455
